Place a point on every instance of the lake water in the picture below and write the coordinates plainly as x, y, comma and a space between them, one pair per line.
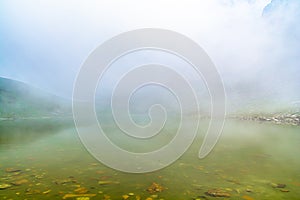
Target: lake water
44, 159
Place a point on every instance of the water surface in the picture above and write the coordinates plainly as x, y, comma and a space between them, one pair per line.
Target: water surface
247, 163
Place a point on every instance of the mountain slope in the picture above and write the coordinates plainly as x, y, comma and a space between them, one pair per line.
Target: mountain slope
18, 99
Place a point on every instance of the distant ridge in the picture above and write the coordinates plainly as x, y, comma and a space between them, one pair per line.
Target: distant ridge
20, 100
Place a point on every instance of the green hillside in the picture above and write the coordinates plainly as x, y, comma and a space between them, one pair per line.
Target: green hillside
19, 100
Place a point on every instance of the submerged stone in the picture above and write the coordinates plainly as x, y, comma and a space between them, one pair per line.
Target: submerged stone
278, 185
83, 198
107, 182
66, 196
81, 190
248, 190
11, 170
217, 193
281, 185
138, 197
20, 182
155, 187
47, 192
4, 186
247, 197
284, 190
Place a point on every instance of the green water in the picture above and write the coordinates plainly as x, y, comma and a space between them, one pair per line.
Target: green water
247, 159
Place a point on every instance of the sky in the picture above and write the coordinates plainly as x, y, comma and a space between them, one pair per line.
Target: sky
253, 43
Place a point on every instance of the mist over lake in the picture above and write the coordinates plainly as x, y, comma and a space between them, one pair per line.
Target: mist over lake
207, 107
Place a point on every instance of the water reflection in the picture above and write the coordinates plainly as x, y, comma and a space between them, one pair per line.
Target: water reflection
26, 131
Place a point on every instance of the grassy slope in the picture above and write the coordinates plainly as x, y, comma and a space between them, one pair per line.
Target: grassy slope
20, 100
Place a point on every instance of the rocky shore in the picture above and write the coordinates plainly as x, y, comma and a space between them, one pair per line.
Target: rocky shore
277, 118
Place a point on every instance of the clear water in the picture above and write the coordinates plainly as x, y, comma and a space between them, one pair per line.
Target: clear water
246, 161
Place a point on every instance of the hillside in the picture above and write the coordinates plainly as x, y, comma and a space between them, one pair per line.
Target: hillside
19, 100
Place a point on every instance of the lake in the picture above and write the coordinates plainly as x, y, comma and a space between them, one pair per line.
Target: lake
44, 159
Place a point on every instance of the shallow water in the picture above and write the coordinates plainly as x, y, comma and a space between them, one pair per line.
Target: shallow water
247, 160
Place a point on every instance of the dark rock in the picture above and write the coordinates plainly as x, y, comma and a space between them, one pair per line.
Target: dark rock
217, 193
11, 170
278, 185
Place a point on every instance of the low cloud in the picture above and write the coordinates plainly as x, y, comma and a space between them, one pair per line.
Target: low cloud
254, 44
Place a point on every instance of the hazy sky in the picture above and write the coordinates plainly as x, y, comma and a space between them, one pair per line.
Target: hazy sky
254, 43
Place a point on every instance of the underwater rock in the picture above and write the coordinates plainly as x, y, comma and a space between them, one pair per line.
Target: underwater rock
278, 185
66, 196
155, 187
30, 191
274, 185
20, 182
138, 197
247, 197
39, 176
81, 190
281, 185
284, 190
107, 182
217, 193
248, 190
106, 197
47, 192
238, 191
4, 186
65, 181
11, 170
83, 198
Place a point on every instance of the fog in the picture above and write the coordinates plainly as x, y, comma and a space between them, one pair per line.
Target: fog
254, 44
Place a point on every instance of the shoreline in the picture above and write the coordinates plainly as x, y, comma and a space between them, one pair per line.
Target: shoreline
278, 118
